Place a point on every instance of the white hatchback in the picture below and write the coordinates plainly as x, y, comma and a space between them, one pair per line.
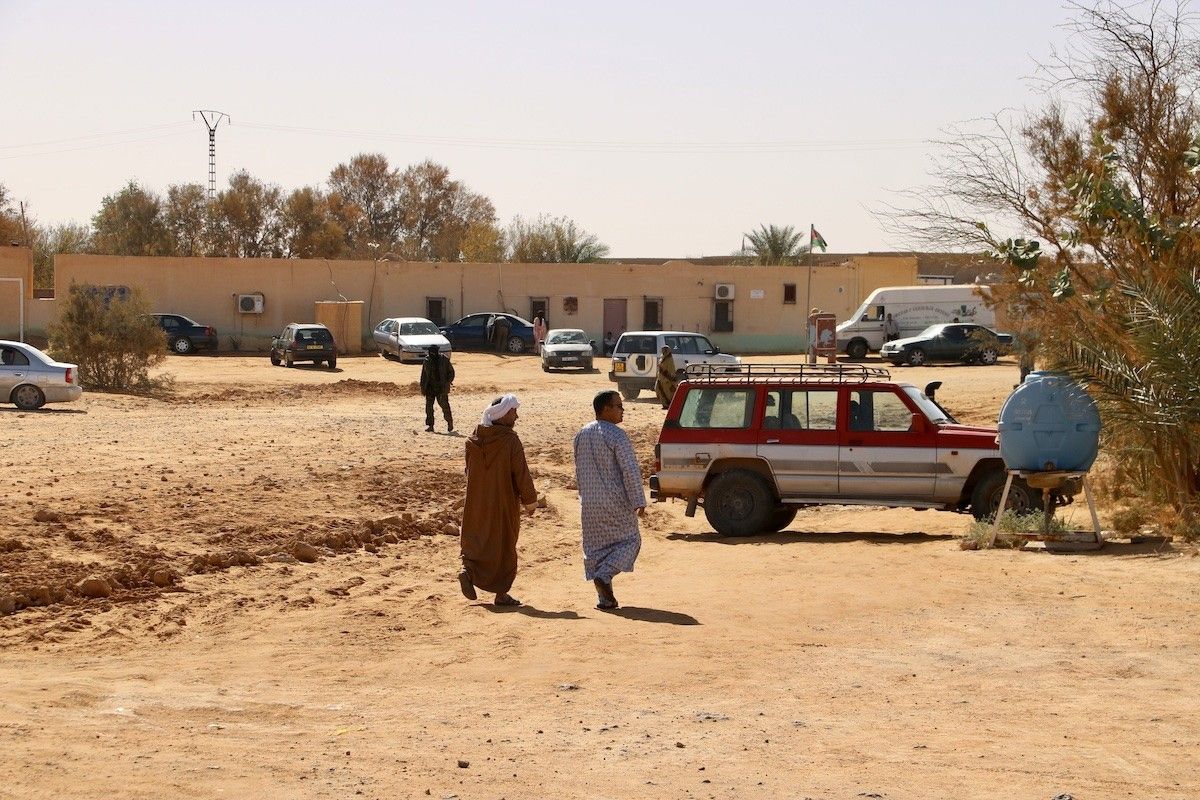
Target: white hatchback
635, 358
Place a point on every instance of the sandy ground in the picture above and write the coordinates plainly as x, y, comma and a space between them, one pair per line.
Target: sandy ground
859, 654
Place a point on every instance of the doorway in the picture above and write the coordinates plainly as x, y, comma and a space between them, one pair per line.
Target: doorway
615, 316
538, 306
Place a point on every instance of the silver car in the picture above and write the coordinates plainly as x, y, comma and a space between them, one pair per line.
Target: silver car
29, 378
408, 338
567, 347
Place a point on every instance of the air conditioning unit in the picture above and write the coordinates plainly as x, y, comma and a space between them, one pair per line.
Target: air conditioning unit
723, 291
250, 303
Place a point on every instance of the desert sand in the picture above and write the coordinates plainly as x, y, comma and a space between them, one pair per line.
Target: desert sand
283, 619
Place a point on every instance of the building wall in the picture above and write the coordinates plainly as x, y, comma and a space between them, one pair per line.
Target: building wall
206, 289
17, 262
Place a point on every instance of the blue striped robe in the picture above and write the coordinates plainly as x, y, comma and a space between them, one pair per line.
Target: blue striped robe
610, 492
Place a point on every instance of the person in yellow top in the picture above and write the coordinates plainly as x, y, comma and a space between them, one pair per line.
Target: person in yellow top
666, 382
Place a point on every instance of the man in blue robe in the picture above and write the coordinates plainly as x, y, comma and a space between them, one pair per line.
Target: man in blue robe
610, 496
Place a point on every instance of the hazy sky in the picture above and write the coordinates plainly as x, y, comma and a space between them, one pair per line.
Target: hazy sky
667, 129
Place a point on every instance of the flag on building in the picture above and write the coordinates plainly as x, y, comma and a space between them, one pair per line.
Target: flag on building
815, 239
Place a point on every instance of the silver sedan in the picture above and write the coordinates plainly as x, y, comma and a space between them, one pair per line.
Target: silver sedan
29, 378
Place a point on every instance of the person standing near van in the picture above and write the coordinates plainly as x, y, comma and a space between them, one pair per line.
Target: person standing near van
666, 382
891, 329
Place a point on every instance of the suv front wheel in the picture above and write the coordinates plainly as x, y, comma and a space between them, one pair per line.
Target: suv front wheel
739, 503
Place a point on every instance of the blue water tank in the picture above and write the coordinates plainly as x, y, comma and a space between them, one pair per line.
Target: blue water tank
1049, 423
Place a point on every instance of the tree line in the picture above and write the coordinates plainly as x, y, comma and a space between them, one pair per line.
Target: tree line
366, 209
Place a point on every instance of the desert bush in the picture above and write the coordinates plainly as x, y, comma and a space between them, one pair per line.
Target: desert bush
1128, 520
1010, 523
111, 338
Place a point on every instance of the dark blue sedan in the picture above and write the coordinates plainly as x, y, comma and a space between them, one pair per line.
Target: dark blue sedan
471, 333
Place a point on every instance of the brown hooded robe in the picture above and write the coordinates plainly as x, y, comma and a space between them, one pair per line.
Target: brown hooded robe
497, 477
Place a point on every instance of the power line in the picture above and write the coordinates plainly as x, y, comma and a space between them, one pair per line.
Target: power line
94, 146
624, 146
87, 137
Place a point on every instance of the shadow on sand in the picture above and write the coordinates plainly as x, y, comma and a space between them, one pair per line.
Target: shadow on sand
792, 537
653, 615
530, 611
44, 410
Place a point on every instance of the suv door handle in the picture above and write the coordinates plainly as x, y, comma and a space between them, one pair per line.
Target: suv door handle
772, 441
855, 442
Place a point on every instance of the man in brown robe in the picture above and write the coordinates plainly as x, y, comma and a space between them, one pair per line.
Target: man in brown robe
498, 483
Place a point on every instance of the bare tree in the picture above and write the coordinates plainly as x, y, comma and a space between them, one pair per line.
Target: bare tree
1091, 205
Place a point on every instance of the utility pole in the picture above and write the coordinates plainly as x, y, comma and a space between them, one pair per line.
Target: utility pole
24, 227
211, 120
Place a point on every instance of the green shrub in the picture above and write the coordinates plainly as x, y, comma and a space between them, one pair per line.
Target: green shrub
112, 339
1011, 523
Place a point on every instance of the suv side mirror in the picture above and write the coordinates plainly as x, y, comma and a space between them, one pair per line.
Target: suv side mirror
712, 352
918, 423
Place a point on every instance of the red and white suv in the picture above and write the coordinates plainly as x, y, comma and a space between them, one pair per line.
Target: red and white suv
754, 446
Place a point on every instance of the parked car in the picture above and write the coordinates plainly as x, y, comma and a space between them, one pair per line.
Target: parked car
304, 342
754, 446
914, 308
635, 358
567, 347
29, 378
972, 344
408, 338
185, 335
470, 333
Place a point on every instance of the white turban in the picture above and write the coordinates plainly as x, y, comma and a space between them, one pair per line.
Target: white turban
498, 409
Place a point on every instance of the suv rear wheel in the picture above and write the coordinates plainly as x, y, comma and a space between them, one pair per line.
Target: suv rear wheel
986, 498
782, 517
739, 503
630, 392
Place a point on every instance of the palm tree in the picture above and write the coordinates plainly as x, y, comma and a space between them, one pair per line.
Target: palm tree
774, 244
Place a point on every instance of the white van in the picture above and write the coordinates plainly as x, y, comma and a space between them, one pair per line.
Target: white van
635, 358
915, 308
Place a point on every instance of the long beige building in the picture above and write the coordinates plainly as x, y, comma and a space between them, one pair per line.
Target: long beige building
745, 309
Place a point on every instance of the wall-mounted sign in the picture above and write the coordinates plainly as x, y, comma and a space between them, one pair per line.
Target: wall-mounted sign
756, 294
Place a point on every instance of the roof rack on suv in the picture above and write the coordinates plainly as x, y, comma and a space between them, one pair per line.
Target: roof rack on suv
812, 373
